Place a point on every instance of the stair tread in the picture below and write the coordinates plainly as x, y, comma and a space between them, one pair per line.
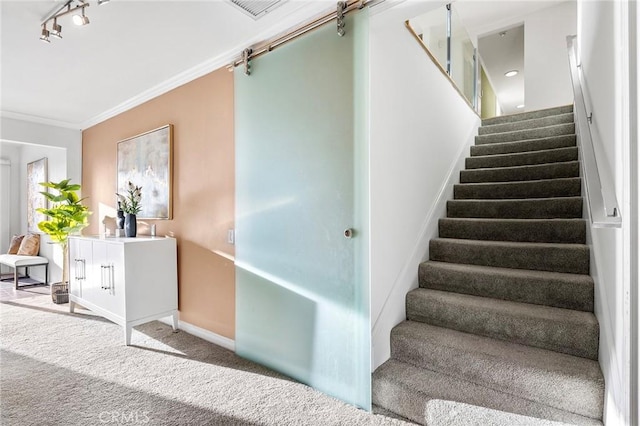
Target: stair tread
558, 289
539, 144
544, 156
524, 310
527, 124
520, 230
546, 112
561, 330
527, 172
516, 183
555, 257
410, 390
516, 273
531, 207
525, 154
525, 166
537, 132
557, 187
560, 380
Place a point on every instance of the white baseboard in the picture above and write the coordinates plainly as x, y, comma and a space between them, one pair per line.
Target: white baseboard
207, 335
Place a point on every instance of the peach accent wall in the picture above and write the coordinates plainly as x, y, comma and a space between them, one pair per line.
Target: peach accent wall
201, 112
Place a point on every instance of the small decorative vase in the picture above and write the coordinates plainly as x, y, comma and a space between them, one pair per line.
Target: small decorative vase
120, 221
130, 225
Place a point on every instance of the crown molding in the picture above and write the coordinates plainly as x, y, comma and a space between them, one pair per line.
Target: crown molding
164, 87
39, 120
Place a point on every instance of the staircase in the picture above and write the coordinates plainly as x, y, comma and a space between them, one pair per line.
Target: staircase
503, 318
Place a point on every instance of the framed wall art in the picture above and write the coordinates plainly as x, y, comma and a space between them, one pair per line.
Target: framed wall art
146, 161
36, 173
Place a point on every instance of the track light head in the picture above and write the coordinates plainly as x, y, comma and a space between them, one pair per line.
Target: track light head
81, 20
56, 29
45, 34
101, 2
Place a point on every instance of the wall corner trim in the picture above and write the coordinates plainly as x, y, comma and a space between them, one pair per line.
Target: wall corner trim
207, 335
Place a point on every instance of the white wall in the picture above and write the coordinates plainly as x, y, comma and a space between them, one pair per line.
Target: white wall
634, 70
420, 132
603, 41
23, 142
12, 153
5, 204
14, 130
547, 78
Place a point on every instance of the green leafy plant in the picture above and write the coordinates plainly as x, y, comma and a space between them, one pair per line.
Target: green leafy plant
130, 203
67, 215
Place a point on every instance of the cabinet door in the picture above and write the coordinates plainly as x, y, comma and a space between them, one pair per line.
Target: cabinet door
107, 289
80, 259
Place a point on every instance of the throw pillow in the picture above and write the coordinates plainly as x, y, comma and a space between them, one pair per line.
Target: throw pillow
30, 245
14, 246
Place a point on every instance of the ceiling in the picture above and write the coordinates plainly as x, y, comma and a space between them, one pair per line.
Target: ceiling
485, 21
134, 50
130, 49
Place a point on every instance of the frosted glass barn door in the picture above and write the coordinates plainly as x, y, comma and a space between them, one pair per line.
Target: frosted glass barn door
302, 287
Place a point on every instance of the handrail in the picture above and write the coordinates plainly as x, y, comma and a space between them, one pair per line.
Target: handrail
600, 191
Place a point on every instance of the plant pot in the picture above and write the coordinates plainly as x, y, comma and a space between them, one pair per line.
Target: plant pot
60, 293
130, 225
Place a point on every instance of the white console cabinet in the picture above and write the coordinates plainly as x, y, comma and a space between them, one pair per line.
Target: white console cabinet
129, 281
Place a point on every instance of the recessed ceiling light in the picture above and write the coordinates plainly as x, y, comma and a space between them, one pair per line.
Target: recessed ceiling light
520, 106
511, 73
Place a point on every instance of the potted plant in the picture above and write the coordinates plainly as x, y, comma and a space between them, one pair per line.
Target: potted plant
131, 206
67, 215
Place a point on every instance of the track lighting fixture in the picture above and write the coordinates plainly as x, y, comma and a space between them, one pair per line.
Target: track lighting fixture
70, 7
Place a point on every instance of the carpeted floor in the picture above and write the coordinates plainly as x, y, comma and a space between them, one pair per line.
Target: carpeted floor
73, 369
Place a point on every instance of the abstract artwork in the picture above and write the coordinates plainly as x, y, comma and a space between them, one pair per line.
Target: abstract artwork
36, 173
145, 160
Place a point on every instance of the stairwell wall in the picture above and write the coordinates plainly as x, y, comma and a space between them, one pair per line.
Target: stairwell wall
547, 78
603, 38
421, 129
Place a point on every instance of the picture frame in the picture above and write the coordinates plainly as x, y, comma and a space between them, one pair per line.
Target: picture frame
37, 172
146, 160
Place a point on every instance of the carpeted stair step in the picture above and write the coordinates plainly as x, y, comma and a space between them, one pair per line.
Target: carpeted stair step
411, 392
527, 115
519, 135
524, 146
545, 188
566, 258
555, 379
560, 290
568, 231
527, 124
522, 158
533, 208
560, 330
521, 173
